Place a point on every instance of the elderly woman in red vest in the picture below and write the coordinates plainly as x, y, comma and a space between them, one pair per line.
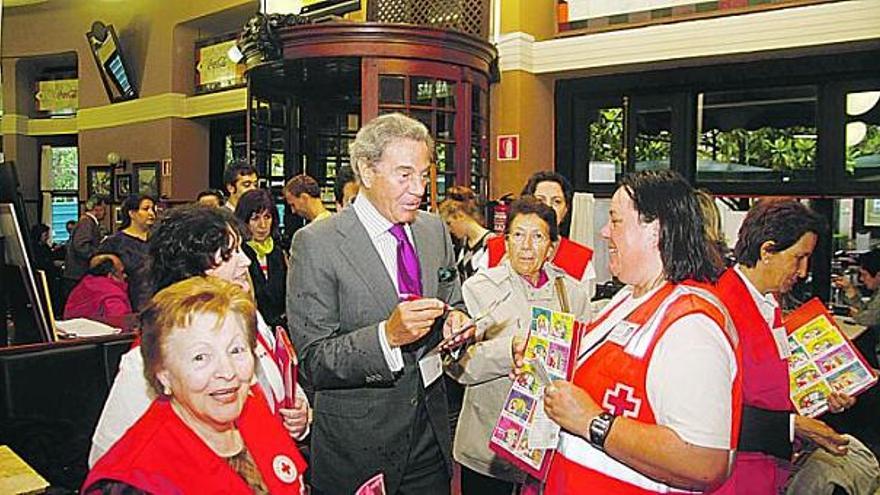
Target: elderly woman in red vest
209, 430
772, 253
654, 401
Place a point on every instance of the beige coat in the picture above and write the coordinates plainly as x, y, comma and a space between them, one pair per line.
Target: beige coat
484, 366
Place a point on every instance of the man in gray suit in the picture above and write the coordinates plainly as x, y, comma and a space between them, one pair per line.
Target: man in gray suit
371, 291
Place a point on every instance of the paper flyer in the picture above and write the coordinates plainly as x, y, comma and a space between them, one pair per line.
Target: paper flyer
822, 360
552, 337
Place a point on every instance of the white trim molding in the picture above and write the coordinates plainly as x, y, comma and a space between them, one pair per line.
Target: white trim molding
167, 105
795, 27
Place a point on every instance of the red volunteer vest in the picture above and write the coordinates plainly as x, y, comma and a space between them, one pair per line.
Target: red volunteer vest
617, 381
572, 257
765, 385
160, 454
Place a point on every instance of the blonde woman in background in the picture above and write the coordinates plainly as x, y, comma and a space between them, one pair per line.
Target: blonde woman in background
462, 215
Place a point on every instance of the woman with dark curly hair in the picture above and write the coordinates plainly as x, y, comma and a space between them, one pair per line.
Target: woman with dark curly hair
268, 263
193, 241
130, 242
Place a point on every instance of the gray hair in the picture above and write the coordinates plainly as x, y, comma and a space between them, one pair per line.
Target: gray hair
371, 141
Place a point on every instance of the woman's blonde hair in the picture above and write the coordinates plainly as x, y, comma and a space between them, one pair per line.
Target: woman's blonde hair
460, 200
175, 307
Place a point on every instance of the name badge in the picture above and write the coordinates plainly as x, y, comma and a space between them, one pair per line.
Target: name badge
622, 332
780, 336
431, 366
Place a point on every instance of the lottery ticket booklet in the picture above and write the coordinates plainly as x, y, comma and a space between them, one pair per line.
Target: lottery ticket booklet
523, 434
822, 360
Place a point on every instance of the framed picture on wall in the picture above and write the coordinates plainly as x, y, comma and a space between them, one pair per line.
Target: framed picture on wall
146, 176
99, 181
122, 186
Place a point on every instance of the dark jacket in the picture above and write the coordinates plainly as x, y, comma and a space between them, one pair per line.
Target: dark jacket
82, 245
270, 292
135, 255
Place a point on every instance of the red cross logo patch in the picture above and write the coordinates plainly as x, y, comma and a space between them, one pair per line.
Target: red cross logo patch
622, 401
284, 468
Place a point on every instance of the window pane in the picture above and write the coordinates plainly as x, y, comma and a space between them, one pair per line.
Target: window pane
766, 135
64, 208
65, 168
605, 144
653, 138
445, 128
863, 135
277, 169
421, 91
391, 89
444, 92
445, 157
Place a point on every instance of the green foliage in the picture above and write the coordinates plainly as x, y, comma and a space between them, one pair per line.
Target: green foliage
777, 149
606, 137
870, 145
65, 168
653, 147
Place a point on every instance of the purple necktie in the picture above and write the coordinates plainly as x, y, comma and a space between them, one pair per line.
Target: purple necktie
409, 276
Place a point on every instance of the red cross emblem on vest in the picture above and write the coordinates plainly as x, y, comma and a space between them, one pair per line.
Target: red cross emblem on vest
284, 468
622, 401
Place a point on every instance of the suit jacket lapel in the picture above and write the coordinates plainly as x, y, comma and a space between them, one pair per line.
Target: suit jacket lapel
426, 247
358, 248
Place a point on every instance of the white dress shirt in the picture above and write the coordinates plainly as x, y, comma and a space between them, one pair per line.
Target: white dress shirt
385, 243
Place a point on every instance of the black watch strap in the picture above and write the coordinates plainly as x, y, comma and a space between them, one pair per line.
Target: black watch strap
599, 428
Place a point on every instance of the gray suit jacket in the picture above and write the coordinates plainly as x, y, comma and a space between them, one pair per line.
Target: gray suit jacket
338, 291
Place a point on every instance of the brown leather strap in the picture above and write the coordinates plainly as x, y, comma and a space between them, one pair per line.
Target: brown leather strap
562, 294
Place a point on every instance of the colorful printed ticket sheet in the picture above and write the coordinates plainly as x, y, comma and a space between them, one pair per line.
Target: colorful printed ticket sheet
552, 338
822, 360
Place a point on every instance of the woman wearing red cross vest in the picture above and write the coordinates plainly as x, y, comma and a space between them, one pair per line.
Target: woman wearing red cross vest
654, 401
209, 430
772, 253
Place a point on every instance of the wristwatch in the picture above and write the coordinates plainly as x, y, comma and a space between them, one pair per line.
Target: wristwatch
599, 428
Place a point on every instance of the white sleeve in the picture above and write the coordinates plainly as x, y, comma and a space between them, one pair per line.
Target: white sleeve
393, 356
690, 382
129, 398
588, 279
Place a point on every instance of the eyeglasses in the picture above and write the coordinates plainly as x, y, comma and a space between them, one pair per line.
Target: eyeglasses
536, 238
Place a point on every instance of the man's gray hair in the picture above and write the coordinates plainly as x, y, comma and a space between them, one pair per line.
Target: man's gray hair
377, 134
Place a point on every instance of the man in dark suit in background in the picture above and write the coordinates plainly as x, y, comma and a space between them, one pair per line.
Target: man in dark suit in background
83, 243
367, 297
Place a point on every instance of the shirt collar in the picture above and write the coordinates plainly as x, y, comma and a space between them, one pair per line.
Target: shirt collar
767, 303
93, 217
373, 221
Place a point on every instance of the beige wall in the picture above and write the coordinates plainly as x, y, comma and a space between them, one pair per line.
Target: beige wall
157, 38
522, 103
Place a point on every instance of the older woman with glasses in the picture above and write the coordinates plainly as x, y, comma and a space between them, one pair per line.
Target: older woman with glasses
555, 191
508, 291
209, 430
